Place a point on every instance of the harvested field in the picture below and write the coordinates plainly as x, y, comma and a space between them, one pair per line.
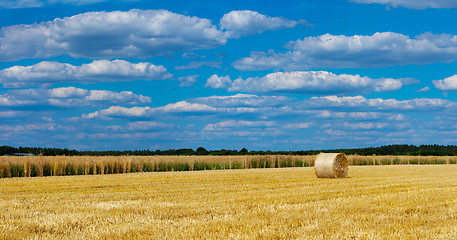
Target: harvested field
375, 202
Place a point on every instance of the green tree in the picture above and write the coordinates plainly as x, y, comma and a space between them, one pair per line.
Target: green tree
201, 151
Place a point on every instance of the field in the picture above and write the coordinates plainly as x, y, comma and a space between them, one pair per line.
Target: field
38, 166
376, 202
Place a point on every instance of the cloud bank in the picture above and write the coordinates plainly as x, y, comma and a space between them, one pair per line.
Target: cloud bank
136, 33
376, 104
68, 97
242, 100
132, 34
263, 107
97, 71
383, 49
312, 82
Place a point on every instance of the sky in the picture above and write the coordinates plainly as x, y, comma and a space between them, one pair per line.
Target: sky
261, 75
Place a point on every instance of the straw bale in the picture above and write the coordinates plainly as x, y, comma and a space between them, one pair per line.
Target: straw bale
331, 165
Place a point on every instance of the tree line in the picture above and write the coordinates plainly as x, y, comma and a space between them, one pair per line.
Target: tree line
403, 149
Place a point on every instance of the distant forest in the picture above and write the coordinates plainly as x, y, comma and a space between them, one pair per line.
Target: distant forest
423, 150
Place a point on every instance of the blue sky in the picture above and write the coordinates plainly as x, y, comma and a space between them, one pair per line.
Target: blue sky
265, 75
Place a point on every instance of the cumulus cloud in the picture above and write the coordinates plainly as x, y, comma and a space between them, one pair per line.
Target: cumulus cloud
317, 82
361, 103
68, 97
447, 84
132, 34
245, 23
188, 81
96, 71
136, 33
413, 4
338, 51
249, 112
185, 106
118, 111
218, 82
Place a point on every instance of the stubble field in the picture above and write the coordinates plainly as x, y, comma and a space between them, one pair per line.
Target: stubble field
376, 202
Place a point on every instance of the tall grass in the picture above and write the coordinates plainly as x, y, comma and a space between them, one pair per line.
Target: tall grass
37, 166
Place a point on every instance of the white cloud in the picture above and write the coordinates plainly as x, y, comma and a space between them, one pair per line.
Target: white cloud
42, 3
357, 108
136, 33
245, 23
191, 55
361, 115
183, 107
30, 127
146, 125
78, 2
413, 4
250, 134
197, 65
230, 124
179, 107
96, 71
134, 127
217, 82
188, 81
338, 51
424, 89
366, 125
68, 97
241, 128
132, 34
318, 82
118, 111
65, 92
12, 114
20, 3
361, 103
298, 125
242, 100
447, 84
335, 132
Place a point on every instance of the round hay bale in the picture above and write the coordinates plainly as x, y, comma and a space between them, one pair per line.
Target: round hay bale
331, 165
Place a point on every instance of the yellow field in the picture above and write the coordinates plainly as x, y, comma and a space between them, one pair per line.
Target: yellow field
38, 166
376, 202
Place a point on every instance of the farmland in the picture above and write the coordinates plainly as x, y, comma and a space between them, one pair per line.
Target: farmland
37, 166
375, 202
